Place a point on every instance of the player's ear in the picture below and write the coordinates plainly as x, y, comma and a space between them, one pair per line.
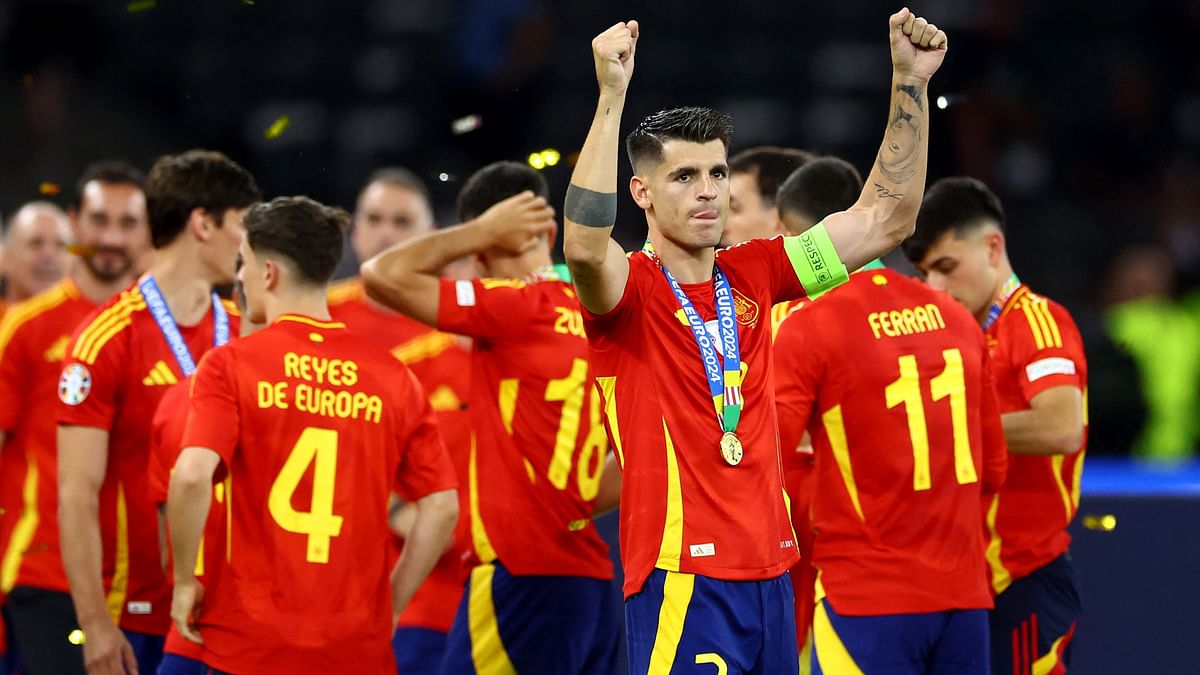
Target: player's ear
272, 272
994, 240
200, 224
640, 191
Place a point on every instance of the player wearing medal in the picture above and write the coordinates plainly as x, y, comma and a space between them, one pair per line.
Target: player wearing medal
305, 585
1041, 386
118, 365
680, 335
540, 599
108, 225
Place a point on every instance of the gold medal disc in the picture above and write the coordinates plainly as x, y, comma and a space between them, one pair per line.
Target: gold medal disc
731, 448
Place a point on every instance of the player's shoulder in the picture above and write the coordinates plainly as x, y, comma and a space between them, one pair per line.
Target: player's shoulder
344, 291
41, 306
1031, 316
107, 325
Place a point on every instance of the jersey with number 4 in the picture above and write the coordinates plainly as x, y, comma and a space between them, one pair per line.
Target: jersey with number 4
892, 380
539, 444
314, 427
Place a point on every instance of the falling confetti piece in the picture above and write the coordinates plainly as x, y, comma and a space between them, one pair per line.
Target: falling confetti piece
49, 189
536, 161
76, 637
277, 127
140, 6
247, 2
465, 125
1105, 523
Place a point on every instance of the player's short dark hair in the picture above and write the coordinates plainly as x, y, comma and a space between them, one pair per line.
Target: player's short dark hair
496, 182
770, 165
822, 186
397, 176
957, 204
302, 230
196, 179
111, 171
692, 124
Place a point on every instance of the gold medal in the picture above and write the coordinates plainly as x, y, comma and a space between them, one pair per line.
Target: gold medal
731, 448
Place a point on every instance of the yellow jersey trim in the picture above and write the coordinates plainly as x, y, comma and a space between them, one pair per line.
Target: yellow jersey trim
671, 547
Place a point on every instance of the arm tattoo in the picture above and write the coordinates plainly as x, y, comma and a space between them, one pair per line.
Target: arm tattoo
590, 208
886, 193
899, 157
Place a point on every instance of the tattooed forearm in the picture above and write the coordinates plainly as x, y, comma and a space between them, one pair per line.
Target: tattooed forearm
886, 193
900, 156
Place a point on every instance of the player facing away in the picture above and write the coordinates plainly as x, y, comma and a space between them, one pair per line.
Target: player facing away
1041, 387
118, 365
314, 427
540, 599
680, 345
109, 230
391, 208
891, 380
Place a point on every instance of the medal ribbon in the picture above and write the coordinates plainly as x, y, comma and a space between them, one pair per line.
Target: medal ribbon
170, 330
725, 384
997, 306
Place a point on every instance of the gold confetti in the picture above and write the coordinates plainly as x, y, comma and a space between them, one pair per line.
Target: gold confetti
277, 128
76, 637
1105, 523
140, 6
49, 189
247, 2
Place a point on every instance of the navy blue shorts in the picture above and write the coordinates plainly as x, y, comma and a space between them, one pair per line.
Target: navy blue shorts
1035, 619
686, 623
418, 650
147, 649
174, 664
533, 624
953, 643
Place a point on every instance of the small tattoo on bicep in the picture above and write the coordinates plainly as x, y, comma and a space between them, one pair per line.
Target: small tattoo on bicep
886, 193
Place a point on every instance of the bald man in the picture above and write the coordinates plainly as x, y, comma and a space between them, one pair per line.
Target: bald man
35, 250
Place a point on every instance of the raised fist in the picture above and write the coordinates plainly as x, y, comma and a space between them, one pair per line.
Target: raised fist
613, 51
918, 47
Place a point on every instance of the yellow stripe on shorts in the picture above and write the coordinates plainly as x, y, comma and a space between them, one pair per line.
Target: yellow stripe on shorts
487, 649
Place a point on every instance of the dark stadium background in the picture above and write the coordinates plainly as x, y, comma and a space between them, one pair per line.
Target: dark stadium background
1084, 117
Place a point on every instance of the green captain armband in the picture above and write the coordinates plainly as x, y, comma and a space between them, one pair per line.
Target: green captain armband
815, 261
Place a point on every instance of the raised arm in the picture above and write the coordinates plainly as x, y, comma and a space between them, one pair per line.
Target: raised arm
886, 211
597, 262
405, 277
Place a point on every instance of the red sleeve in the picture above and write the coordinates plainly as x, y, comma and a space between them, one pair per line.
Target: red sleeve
492, 309
425, 465
166, 434
1047, 350
630, 295
212, 418
798, 371
995, 449
89, 387
14, 373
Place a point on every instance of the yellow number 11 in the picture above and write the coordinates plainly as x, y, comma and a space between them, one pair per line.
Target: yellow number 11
906, 391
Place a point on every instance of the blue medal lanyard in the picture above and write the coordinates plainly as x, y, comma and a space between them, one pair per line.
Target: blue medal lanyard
725, 384
170, 330
1001, 299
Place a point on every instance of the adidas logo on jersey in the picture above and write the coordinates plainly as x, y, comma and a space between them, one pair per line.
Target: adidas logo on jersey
160, 374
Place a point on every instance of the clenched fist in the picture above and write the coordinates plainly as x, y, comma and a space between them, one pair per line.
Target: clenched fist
613, 51
918, 47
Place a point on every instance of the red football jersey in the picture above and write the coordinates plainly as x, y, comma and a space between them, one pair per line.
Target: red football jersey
33, 343
891, 379
1035, 346
315, 427
441, 363
682, 507
118, 367
539, 446
167, 429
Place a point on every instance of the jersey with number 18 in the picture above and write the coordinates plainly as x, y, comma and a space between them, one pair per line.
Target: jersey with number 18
315, 428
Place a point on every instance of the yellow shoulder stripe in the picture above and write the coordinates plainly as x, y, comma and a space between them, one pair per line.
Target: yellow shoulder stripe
345, 291
1041, 323
23, 313
231, 307
109, 322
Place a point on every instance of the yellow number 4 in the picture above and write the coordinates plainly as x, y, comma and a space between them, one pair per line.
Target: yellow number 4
318, 447
906, 391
